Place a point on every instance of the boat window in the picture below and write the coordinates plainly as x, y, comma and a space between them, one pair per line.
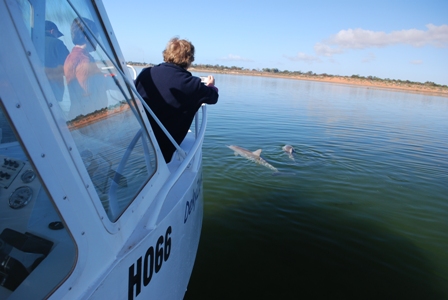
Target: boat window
26, 9
36, 251
93, 98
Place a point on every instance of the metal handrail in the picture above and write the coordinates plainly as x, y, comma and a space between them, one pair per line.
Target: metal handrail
113, 202
176, 175
134, 73
199, 138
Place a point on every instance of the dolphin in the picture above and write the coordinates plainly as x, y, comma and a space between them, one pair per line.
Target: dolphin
253, 156
290, 150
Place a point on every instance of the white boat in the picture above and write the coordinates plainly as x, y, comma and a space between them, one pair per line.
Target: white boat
88, 207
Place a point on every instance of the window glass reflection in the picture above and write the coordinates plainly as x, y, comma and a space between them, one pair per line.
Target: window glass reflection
98, 107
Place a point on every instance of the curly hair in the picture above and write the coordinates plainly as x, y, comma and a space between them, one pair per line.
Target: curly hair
179, 52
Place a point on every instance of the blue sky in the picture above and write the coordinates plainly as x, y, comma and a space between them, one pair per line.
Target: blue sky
405, 40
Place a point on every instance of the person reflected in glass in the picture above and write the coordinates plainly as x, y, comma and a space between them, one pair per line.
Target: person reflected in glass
55, 54
86, 83
174, 94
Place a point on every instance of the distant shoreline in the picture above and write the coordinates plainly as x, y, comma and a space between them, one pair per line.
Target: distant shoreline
364, 82
410, 87
106, 113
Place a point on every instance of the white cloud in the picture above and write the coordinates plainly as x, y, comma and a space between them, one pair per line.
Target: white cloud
416, 62
304, 57
325, 50
436, 36
232, 57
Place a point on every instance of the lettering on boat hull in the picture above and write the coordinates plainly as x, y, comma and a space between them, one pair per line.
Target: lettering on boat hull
191, 205
149, 264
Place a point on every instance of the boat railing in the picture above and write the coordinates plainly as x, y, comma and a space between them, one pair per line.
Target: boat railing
199, 138
134, 72
190, 159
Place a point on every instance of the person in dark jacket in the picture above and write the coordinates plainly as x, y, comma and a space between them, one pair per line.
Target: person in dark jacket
55, 54
174, 94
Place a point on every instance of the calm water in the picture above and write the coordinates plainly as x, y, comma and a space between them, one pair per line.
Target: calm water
364, 214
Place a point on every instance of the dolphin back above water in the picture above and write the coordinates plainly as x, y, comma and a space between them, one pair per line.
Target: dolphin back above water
253, 156
290, 150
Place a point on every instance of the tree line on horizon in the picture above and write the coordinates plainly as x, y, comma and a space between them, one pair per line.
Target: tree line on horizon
300, 73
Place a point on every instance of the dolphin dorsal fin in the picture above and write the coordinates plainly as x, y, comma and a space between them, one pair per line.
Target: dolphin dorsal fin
257, 153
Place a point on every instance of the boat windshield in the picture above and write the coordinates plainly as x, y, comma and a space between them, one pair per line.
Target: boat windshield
100, 117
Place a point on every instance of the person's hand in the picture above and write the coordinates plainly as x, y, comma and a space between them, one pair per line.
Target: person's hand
210, 80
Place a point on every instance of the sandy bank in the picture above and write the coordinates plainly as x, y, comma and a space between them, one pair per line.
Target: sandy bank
390, 85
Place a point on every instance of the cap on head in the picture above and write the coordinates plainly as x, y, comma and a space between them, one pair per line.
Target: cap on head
51, 26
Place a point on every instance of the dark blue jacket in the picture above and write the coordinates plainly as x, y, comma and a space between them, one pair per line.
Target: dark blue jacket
174, 95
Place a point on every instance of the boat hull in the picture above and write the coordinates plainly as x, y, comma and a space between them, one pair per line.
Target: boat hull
160, 266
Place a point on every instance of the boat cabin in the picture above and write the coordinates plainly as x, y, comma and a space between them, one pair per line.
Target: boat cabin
89, 208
